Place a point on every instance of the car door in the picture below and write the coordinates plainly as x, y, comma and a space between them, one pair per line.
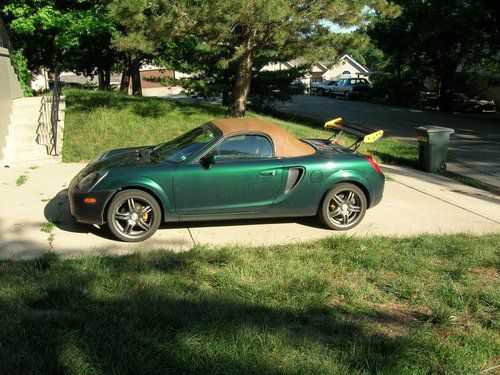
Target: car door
243, 176
337, 87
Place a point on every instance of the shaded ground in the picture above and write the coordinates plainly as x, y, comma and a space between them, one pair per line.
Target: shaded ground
342, 305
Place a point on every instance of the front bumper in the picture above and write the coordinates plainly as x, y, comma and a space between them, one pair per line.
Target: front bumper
88, 213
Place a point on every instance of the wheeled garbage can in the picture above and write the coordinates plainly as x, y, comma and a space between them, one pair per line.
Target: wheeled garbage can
433, 147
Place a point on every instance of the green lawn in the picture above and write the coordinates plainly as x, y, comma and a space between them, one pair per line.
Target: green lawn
98, 121
418, 305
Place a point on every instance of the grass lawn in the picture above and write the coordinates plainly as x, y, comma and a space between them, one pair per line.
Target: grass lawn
419, 305
98, 121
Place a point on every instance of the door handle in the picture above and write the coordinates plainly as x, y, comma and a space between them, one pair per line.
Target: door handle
268, 173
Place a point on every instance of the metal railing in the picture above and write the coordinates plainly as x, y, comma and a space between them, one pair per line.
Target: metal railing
4, 37
54, 112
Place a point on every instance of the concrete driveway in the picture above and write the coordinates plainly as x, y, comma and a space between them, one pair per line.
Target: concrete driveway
476, 141
414, 203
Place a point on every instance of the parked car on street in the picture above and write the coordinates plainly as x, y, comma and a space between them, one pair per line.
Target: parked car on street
350, 88
458, 102
321, 88
297, 88
226, 169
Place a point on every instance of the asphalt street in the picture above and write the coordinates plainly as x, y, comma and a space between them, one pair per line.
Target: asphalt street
476, 141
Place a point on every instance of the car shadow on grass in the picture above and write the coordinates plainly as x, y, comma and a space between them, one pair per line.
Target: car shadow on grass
106, 317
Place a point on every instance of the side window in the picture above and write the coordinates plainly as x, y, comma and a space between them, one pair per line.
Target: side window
244, 147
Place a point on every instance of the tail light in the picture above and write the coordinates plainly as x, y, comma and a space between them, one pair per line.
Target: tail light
373, 163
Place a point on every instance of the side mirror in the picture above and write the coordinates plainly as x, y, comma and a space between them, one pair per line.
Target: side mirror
207, 161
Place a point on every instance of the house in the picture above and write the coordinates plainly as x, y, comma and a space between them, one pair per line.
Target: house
346, 66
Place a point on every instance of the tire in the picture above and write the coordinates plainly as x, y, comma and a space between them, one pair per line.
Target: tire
347, 96
133, 215
321, 92
337, 213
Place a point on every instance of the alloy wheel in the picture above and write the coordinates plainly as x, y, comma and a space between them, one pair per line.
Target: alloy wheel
133, 217
345, 208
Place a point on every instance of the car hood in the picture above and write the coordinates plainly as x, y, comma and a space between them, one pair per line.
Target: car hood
120, 158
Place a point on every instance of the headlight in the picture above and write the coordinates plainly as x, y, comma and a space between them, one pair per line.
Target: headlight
87, 183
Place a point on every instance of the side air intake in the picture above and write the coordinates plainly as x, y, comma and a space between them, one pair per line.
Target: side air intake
294, 176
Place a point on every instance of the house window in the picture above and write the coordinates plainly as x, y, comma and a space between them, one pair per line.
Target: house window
346, 72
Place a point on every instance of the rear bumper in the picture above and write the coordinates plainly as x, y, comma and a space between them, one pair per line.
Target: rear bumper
377, 184
88, 213
359, 94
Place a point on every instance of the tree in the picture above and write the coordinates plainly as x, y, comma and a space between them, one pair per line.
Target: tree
73, 35
235, 38
137, 35
435, 37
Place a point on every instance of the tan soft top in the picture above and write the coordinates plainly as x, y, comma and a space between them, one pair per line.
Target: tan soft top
285, 145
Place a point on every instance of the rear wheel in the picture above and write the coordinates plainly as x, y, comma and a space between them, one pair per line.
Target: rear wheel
343, 207
133, 215
347, 96
321, 92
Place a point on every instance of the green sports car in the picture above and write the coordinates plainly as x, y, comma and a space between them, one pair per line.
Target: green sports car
227, 169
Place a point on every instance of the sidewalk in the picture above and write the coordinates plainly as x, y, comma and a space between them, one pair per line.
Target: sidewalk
414, 202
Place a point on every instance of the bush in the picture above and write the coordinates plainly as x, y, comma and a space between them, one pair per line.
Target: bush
404, 92
20, 65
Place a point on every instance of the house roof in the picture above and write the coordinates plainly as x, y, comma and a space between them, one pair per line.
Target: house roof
285, 145
356, 63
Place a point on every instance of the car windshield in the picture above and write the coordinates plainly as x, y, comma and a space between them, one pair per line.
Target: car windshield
180, 148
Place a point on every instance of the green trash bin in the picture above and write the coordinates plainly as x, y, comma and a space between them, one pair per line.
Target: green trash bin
433, 147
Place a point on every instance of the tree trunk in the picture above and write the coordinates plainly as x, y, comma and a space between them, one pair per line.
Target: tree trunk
107, 79
445, 84
104, 78
100, 79
242, 82
135, 74
225, 98
125, 81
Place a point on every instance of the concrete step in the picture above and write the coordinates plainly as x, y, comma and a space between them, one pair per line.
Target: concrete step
21, 139
14, 155
27, 114
23, 126
27, 101
24, 141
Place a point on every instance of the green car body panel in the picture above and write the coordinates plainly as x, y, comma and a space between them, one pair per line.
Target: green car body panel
253, 188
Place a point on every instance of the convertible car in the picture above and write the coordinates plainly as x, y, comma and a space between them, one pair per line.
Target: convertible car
228, 169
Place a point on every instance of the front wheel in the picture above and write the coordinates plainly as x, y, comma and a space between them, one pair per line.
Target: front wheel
133, 215
343, 207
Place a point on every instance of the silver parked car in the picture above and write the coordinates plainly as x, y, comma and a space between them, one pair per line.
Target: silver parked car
350, 88
321, 88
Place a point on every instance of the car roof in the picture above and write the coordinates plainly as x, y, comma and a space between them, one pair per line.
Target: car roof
285, 145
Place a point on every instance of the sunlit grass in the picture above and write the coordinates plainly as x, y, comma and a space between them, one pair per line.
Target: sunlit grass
98, 121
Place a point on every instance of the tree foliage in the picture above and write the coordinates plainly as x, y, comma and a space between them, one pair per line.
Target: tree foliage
73, 34
435, 37
233, 39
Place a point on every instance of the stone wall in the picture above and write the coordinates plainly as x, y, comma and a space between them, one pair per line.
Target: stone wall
9, 89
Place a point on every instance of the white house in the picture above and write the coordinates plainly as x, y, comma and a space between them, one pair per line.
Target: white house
346, 66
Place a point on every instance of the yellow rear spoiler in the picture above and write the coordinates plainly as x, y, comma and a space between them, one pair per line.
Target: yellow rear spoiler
363, 134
